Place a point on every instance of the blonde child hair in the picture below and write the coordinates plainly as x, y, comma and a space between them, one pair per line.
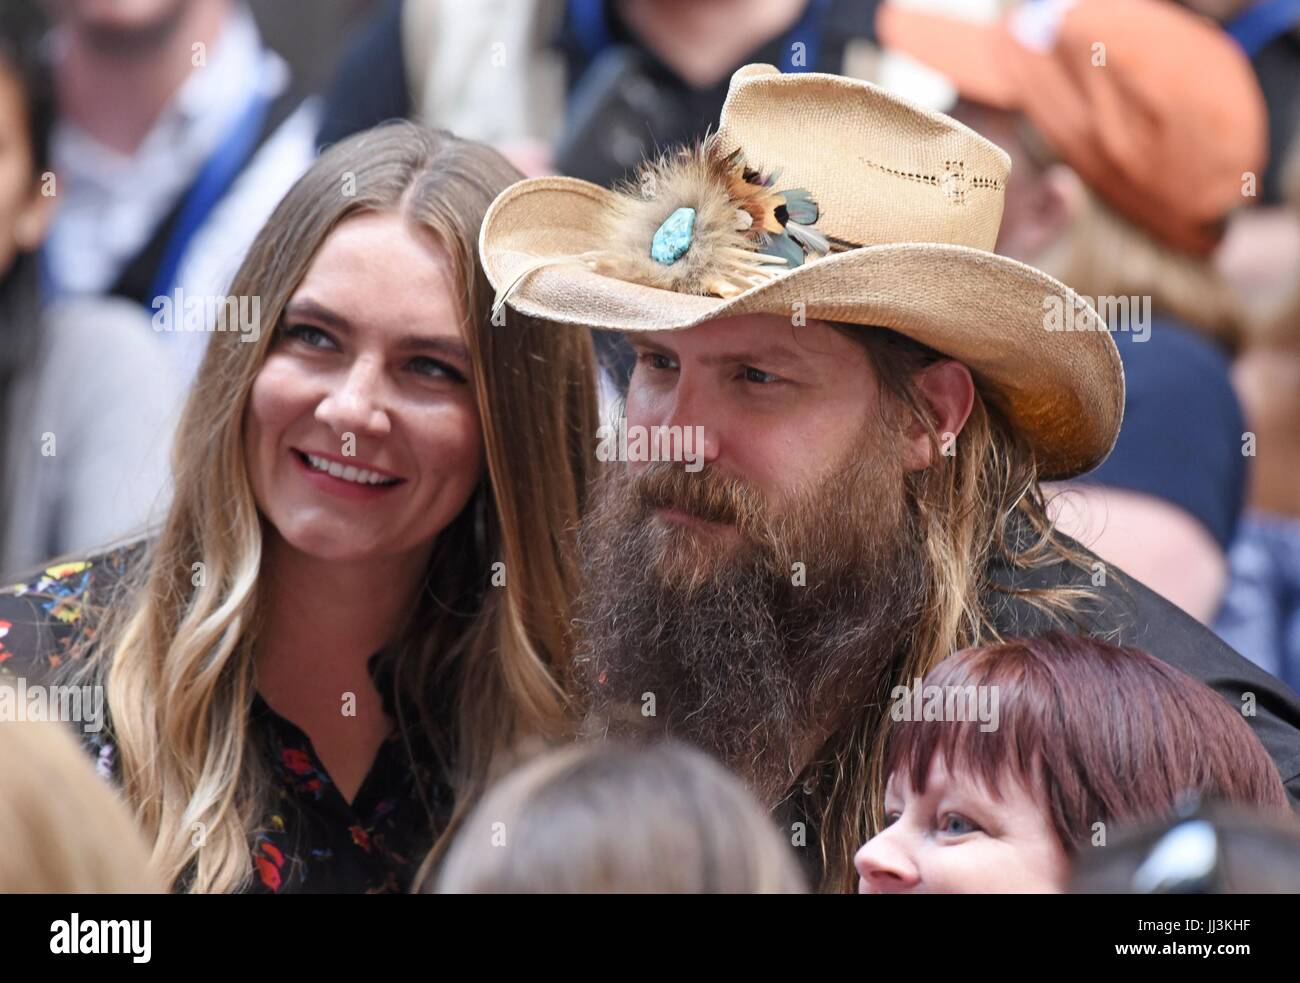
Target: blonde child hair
64, 829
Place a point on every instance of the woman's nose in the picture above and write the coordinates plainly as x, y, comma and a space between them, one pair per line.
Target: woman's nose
886, 865
358, 404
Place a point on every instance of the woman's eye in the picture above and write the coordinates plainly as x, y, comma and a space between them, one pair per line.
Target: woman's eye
955, 824
891, 818
759, 377
434, 369
308, 335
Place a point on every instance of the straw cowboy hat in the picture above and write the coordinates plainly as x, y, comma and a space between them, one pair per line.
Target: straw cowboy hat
827, 197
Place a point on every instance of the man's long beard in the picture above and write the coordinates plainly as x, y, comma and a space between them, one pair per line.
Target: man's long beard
757, 644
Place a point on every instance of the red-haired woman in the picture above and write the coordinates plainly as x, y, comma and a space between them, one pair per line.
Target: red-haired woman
1070, 737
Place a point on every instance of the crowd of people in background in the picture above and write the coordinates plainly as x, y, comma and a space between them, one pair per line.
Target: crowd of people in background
489, 599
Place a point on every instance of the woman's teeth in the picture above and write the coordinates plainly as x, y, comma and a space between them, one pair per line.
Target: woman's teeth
348, 473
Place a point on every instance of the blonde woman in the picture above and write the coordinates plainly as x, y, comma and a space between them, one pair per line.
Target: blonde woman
360, 595
602, 818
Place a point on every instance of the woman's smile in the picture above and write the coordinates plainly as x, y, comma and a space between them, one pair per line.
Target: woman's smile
350, 480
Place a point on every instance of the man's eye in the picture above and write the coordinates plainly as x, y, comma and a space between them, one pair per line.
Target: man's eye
759, 377
308, 335
434, 369
955, 824
655, 360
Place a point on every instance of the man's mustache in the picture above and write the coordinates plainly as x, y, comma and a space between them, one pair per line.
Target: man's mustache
704, 494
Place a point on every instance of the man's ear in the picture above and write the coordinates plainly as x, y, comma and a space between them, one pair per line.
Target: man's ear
949, 391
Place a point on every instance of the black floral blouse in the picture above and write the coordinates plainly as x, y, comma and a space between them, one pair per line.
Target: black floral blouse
312, 840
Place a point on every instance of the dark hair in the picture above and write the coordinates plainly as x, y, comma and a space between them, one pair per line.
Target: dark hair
23, 28
1100, 733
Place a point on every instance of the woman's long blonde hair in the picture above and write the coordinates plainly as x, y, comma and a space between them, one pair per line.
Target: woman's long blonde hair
175, 649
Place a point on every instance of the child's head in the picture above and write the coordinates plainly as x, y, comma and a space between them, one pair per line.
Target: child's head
64, 830
1087, 733
601, 818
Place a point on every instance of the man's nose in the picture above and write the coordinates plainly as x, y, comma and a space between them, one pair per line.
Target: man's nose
694, 404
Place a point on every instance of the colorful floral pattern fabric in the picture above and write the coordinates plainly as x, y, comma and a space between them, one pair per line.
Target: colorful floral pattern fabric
313, 840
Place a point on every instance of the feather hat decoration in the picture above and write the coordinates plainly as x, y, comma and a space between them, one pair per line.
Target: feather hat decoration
700, 221
697, 221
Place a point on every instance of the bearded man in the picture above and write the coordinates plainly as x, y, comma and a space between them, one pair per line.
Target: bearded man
879, 396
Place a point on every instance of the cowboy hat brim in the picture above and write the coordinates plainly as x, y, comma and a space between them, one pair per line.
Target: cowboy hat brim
1062, 389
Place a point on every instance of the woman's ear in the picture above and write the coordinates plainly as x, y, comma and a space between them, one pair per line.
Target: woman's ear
949, 391
33, 219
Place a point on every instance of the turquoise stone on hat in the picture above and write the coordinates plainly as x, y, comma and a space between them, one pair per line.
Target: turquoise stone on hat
673, 238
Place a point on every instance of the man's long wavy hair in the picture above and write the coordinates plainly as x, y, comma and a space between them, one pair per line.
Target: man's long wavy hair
974, 507
481, 665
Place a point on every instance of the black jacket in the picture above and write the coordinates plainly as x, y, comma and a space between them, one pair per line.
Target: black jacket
1129, 613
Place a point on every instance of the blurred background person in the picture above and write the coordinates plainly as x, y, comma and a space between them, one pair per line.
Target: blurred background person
601, 818
584, 87
1260, 256
482, 69
87, 401
1261, 612
1215, 849
1001, 792
178, 132
63, 829
1268, 31
1262, 247
1131, 125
